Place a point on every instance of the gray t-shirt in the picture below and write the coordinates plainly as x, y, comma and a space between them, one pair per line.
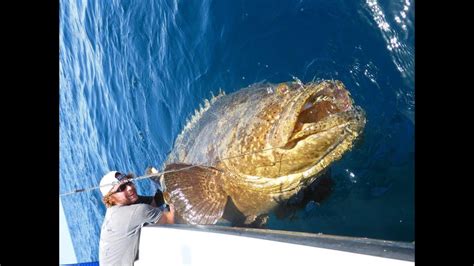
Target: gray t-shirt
120, 232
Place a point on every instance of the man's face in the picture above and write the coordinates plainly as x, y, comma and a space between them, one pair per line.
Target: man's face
125, 193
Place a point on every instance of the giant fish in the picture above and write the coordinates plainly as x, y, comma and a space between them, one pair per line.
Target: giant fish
257, 147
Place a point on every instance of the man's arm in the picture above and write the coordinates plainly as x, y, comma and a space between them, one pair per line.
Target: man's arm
145, 200
155, 201
158, 199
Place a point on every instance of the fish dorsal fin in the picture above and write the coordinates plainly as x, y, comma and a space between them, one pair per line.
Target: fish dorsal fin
196, 192
198, 113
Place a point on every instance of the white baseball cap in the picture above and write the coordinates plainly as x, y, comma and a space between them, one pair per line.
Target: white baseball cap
109, 180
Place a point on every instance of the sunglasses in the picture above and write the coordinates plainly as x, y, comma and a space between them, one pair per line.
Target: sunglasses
124, 186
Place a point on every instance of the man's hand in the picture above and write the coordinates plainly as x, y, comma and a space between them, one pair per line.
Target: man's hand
168, 216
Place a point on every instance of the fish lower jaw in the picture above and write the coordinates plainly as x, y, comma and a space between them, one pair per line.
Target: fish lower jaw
313, 130
310, 174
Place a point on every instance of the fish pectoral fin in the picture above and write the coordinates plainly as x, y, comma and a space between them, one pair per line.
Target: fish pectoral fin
196, 192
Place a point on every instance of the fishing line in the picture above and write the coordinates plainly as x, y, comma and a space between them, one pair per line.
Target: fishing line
166, 172
191, 166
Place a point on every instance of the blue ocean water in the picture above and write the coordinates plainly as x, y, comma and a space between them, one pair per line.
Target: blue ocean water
133, 72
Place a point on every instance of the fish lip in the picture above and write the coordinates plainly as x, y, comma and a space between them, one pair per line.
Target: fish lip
355, 114
332, 91
340, 99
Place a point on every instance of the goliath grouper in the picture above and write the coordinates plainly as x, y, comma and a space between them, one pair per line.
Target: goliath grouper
257, 147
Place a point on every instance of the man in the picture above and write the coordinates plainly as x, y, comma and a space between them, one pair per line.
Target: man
126, 213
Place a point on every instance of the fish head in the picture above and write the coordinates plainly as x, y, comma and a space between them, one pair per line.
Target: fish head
298, 130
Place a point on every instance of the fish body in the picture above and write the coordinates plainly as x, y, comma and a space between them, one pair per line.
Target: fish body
257, 147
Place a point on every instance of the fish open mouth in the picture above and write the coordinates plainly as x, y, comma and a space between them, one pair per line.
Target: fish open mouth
326, 107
